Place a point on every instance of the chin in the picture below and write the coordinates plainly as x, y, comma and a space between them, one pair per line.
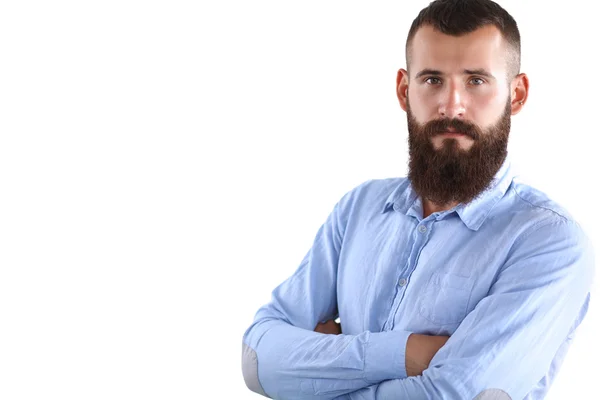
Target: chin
453, 144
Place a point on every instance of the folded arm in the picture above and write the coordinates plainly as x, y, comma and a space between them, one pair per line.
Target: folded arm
507, 343
282, 355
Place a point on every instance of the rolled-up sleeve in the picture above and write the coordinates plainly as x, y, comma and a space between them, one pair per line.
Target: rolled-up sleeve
507, 343
282, 355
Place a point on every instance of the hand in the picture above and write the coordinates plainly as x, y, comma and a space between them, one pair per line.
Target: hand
330, 328
420, 349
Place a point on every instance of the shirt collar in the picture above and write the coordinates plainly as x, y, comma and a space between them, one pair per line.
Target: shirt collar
405, 200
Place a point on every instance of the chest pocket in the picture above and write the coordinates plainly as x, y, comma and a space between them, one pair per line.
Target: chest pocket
445, 299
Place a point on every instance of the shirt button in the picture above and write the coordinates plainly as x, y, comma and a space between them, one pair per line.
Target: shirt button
422, 228
402, 282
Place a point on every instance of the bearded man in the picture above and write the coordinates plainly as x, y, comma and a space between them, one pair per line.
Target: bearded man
455, 282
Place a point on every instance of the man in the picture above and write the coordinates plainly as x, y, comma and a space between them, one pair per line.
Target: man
457, 282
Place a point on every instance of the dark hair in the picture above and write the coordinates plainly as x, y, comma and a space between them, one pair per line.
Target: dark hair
459, 17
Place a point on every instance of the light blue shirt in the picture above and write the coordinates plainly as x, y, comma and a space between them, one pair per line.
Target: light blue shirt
506, 276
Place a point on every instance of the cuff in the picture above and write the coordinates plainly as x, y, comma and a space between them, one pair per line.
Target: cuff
385, 356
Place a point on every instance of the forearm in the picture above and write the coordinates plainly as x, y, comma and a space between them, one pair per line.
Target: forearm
420, 350
411, 388
296, 363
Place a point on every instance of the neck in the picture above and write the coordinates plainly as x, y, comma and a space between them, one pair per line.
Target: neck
430, 207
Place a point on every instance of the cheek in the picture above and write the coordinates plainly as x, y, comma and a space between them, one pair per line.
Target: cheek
423, 108
487, 107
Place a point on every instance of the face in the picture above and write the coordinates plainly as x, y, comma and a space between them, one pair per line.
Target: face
459, 101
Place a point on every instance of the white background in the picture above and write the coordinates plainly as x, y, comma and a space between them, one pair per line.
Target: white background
164, 165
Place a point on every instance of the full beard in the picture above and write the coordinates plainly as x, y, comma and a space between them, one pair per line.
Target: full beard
450, 174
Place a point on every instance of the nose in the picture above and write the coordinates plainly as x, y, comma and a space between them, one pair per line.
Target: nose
452, 103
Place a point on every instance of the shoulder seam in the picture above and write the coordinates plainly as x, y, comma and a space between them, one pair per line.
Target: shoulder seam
564, 217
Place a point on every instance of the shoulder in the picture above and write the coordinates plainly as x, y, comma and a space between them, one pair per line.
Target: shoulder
524, 209
373, 194
537, 203
545, 226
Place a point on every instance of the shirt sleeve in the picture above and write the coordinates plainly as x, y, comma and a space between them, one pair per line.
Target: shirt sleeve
282, 356
504, 347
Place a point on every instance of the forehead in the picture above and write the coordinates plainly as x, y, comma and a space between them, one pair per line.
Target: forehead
483, 48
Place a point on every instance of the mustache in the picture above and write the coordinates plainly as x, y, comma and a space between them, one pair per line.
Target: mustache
438, 126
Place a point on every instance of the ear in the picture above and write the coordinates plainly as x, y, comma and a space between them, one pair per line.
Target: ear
402, 88
519, 90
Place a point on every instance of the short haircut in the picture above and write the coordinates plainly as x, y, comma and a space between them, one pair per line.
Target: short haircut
459, 17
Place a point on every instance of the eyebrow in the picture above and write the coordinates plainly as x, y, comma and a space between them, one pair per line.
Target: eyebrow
435, 72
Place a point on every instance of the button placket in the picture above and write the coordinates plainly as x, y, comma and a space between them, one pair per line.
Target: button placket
421, 240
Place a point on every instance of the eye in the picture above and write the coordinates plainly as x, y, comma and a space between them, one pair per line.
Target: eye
477, 81
433, 80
